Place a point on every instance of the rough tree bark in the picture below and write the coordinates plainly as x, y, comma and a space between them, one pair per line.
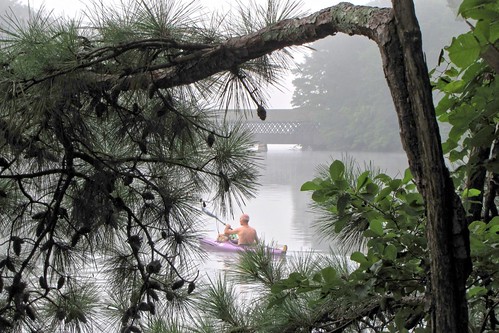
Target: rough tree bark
398, 36
447, 233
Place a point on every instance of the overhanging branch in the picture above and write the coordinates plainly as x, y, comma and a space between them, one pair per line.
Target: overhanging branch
201, 63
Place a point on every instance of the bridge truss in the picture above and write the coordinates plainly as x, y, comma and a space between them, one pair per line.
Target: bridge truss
285, 132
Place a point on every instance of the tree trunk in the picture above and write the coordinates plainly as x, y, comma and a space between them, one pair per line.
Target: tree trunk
447, 232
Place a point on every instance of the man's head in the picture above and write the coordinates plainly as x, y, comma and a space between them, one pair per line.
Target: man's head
244, 219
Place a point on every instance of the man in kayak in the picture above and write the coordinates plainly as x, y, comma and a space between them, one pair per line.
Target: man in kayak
246, 234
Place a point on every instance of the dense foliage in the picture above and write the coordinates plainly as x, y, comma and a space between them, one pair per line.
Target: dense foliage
466, 80
100, 184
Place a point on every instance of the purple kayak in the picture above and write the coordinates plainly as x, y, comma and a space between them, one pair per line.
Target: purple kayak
213, 245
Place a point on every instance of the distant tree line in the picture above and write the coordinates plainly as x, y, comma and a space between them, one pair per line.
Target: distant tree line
343, 87
13, 7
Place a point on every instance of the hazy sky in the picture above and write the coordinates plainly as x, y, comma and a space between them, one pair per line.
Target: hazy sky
278, 100
71, 6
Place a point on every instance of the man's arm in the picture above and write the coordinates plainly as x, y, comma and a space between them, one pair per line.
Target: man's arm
229, 231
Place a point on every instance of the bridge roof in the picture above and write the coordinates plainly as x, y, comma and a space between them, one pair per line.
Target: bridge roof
273, 115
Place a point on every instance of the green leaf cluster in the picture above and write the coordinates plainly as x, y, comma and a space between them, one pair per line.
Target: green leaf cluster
466, 80
484, 285
468, 86
388, 280
393, 266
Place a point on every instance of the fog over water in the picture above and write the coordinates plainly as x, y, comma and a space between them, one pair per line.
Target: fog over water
280, 212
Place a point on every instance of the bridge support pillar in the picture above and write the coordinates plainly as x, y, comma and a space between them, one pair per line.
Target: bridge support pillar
262, 147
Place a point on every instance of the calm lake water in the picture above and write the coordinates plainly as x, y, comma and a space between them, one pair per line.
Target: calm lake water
280, 212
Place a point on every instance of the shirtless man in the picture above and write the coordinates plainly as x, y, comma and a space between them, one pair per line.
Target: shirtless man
246, 234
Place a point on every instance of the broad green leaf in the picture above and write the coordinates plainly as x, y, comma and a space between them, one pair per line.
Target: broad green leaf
477, 247
296, 277
278, 287
383, 177
305, 288
390, 252
464, 50
276, 300
442, 82
391, 235
319, 196
412, 210
475, 9
367, 196
383, 194
494, 32
329, 275
482, 32
483, 137
493, 232
477, 227
401, 318
411, 187
362, 180
317, 277
457, 155
476, 291
448, 145
342, 184
443, 117
469, 193
377, 246
370, 234
452, 72
414, 198
395, 184
372, 188
494, 221
358, 257
407, 176
337, 170
454, 87
377, 227
487, 12
473, 71
445, 104
460, 121
310, 186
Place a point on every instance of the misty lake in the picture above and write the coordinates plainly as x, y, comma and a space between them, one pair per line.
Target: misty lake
280, 212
